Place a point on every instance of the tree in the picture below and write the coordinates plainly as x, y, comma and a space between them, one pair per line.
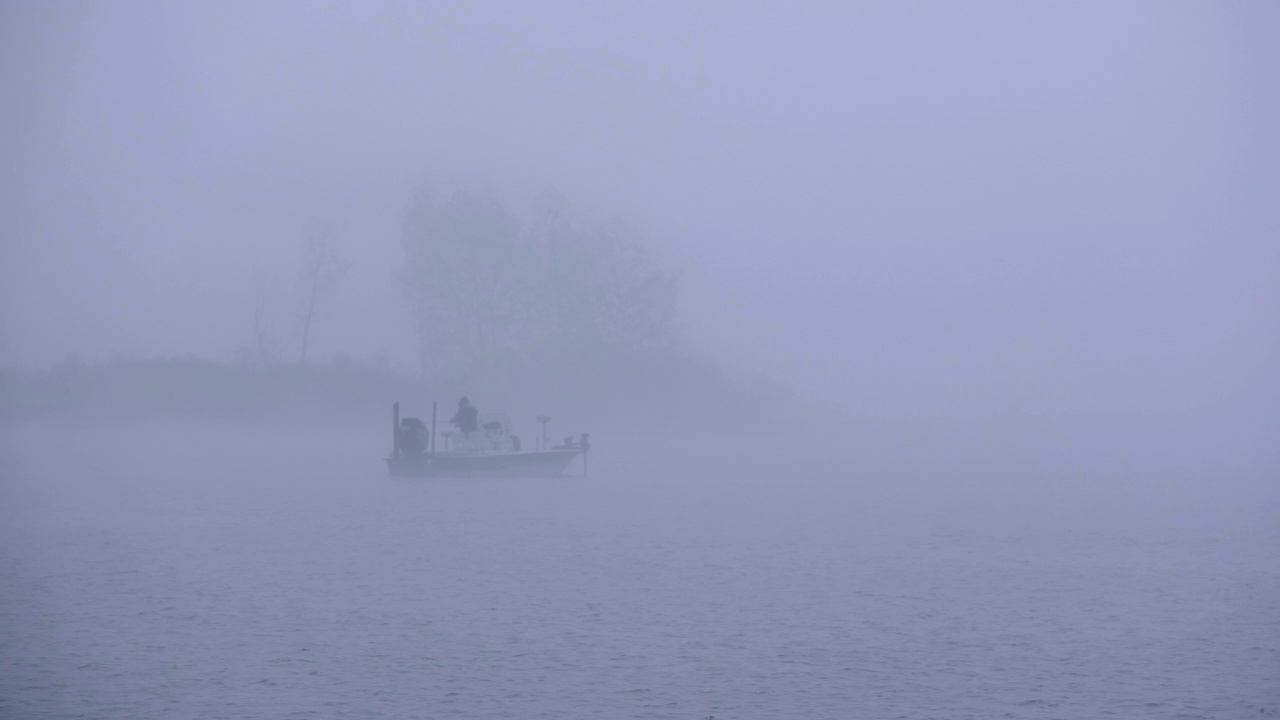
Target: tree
609, 294
639, 308
468, 274
262, 287
488, 290
321, 274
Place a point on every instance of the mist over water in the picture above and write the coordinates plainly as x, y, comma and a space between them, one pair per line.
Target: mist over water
928, 355
236, 573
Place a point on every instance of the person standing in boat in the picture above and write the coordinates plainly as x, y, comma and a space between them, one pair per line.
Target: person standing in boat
467, 417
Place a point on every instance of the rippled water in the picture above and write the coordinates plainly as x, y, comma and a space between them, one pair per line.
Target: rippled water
215, 584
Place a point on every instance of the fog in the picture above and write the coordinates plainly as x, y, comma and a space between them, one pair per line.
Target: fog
963, 212
959, 315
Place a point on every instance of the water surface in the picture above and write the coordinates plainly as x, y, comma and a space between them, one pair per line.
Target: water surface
239, 577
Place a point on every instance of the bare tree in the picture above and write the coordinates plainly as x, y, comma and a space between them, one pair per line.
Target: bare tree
263, 288
322, 272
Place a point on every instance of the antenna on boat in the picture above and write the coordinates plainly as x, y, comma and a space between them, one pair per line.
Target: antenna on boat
433, 427
395, 429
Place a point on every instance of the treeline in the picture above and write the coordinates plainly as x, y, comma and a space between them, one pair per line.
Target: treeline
137, 388
654, 393
545, 314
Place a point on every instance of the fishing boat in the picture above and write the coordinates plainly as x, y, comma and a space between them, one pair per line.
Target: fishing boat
490, 451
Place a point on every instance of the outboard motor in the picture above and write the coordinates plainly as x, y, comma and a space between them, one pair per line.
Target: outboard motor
413, 438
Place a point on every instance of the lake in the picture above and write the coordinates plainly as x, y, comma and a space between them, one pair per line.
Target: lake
179, 573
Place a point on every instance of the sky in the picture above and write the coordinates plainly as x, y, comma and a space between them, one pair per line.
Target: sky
950, 209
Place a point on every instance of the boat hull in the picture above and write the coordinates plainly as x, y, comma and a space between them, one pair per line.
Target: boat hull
546, 463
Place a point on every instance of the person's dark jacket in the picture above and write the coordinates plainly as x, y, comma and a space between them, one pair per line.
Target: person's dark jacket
467, 418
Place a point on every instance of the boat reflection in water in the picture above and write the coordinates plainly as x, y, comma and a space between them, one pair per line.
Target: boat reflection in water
490, 451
